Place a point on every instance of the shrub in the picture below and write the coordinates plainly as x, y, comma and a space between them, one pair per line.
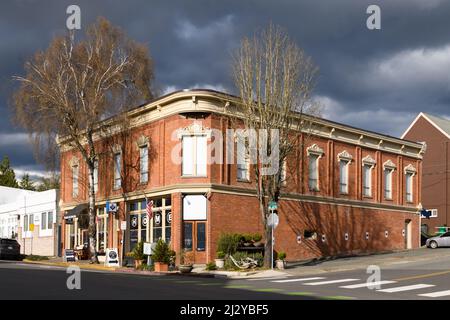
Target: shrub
162, 252
145, 267
211, 266
220, 255
256, 237
138, 251
228, 243
281, 255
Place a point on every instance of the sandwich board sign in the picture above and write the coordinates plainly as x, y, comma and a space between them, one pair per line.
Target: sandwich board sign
112, 257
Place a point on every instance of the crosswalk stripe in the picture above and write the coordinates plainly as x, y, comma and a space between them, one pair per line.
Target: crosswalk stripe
296, 280
367, 284
406, 288
265, 278
436, 294
329, 282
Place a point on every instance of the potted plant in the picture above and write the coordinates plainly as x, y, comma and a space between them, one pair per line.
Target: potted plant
161, 256
220, 260
137, 254
186, 262
281, 264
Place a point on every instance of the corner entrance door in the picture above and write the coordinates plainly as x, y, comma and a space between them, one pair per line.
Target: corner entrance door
195, 239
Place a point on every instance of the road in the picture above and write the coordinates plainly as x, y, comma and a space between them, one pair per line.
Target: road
401, 280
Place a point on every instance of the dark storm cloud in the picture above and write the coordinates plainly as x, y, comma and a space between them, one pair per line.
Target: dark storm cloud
378, 80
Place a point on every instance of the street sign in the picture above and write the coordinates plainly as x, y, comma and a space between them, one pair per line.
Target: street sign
273, 220
123, 225
273, 205
111, 206
147, 248
31, 227
112, 257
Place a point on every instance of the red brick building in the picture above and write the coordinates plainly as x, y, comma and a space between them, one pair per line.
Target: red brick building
347, 190
435, 132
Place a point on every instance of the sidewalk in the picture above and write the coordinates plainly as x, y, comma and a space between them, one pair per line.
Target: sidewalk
361, 262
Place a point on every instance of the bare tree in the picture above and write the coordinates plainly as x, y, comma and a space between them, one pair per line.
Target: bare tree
69, 88
275, 80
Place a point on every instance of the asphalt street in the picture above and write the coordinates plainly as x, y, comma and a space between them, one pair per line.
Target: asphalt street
404, 279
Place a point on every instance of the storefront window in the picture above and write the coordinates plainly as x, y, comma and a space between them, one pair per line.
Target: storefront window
168, 224
201, 236
188, 236
143, 229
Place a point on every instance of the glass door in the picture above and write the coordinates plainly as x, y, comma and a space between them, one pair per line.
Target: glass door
194, 236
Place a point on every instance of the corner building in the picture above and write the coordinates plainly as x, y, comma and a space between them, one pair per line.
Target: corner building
346, 190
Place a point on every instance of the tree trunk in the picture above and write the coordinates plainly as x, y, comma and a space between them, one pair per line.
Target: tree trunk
268, 248
92, 216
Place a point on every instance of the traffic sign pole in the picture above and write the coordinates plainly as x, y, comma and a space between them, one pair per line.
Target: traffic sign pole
271, 259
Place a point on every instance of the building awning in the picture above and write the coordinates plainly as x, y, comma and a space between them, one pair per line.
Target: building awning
75, 212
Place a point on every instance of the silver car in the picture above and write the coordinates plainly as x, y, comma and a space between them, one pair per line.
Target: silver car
440, 241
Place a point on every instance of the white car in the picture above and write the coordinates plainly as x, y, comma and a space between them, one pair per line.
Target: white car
440, 241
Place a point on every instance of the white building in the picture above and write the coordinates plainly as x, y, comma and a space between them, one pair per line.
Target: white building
32, 218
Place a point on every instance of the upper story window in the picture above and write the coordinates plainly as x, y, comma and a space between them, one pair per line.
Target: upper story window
314, 154
95, 176
117, 170
368, 164
283, 176
194, 155
46, 220
388, 168
75, 174
243, 159
410, 172
344, 159
143, 163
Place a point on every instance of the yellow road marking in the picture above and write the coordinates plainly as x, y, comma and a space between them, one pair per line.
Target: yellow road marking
423, 276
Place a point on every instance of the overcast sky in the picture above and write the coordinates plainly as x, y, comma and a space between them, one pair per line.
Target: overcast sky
373, 79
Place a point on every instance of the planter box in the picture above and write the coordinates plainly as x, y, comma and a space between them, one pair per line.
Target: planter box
185, 268
281, 264
161, 267
220, 263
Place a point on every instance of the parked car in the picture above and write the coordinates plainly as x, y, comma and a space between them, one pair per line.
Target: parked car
440, 241
9, 249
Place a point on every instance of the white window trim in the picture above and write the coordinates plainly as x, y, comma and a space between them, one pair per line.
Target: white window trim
75, 180
369, 162
194, 153
46, 232
141, 172
344, 156
434, 213
341, 190
391, 172
317, 183
119, 179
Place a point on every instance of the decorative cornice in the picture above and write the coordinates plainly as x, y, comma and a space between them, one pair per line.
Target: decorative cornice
315, 150
142, 141
389, 165
117, 149
74, 161
196, 128
410, 169
344, 155
424, 148
368, 160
